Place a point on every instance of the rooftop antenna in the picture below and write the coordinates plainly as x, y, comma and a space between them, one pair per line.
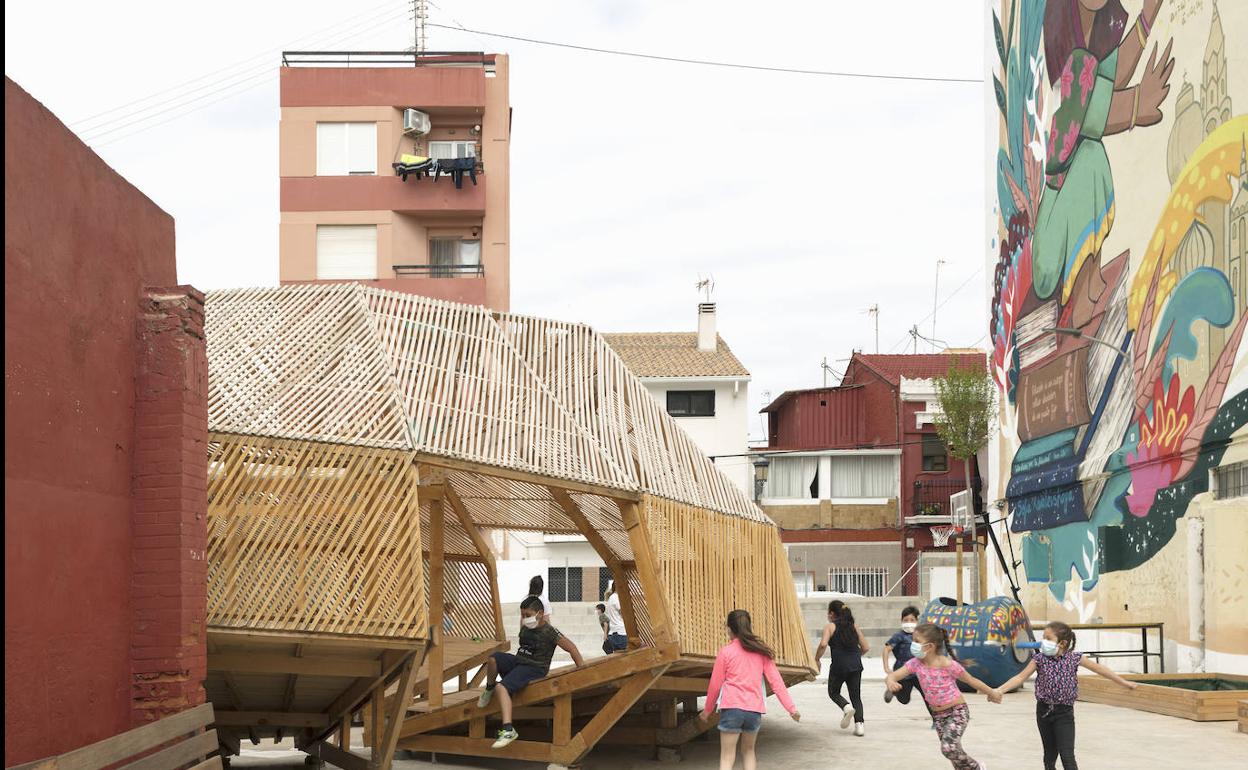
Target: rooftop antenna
420, 14
706, 286
935, 297
874, 311
827, 368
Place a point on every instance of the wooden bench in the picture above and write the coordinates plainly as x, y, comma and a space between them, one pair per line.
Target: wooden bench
190, 744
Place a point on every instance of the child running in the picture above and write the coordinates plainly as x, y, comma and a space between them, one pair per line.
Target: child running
848, 645
938, 675
736, 689
536, 646
899, 646
1057, 686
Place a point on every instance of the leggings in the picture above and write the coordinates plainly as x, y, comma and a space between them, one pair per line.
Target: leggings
854, 680
949, 726
1057, 733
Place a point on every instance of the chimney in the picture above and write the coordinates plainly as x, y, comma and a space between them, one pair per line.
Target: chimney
707, 341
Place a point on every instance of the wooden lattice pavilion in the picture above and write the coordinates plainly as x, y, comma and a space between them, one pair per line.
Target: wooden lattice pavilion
363, 441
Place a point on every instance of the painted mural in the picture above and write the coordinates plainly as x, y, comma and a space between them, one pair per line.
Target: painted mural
1117, 323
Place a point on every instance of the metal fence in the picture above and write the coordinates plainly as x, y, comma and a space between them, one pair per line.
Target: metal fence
866, 581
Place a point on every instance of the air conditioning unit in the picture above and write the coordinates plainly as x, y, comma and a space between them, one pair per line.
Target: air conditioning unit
415, 122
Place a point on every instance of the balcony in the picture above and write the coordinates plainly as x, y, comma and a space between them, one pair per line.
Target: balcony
931, 498
383, 192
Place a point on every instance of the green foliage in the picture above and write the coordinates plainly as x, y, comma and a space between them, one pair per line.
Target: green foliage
967, 400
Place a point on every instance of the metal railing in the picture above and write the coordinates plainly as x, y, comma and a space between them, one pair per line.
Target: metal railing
931, 498
384, 58
865, 581
1230, 481
441, 271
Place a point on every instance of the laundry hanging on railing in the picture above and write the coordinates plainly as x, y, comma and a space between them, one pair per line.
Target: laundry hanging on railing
420, 166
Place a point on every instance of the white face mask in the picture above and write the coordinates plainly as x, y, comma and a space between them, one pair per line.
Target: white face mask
529, 622
1048, 648
909, 627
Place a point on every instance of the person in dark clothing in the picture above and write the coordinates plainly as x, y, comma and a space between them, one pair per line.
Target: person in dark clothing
534, 650
847, 645
899, 646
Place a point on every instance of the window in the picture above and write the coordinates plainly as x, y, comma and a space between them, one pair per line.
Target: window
691, 403
563, 584
449, 253
344, 149
934, 456
448, 150
346, 251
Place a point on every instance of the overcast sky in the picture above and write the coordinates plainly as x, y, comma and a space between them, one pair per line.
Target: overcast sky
807, 198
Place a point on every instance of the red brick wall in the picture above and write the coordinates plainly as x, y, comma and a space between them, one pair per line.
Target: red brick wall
80, 245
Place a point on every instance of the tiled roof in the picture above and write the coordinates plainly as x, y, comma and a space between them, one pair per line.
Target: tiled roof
674, 354
922, 365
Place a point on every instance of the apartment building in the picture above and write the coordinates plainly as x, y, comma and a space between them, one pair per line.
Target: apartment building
394, 172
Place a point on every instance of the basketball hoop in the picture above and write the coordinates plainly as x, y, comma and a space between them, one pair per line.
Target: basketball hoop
941, 534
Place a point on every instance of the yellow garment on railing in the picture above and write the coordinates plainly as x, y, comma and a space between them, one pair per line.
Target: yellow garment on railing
411, 160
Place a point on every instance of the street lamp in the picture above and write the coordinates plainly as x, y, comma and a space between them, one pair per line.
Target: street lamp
1079, 334
760, 476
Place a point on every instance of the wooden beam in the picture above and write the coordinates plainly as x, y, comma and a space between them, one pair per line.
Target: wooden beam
529, 751
269, 719
487, 556
618, 573
563, 719
354, 695
622, 701
344, 732
125, 745
633, 515
682, 684
341, 758
518, 475
179, 754
258, 663
667, 714
437, 564
230, 636
383, 755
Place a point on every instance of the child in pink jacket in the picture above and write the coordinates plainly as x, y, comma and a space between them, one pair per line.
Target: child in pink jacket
736, 689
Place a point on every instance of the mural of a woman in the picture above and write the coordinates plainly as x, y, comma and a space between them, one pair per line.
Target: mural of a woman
1090, 59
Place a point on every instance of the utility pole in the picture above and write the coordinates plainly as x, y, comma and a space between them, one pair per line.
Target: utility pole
935, 305
420, 14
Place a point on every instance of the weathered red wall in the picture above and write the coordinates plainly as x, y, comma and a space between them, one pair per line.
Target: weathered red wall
80, 244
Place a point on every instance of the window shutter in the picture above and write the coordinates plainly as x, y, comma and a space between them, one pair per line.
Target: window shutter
331, 149
346, 251
361, 148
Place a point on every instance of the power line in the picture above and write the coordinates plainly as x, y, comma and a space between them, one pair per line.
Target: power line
337, 27
268, 76
711, 63
950, 296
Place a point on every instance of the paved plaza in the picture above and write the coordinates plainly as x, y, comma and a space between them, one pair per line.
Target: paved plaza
1003, 737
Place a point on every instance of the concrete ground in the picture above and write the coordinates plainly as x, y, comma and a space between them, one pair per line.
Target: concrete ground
1003, 737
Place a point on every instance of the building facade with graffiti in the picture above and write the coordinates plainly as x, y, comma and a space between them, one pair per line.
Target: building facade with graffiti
1118, 301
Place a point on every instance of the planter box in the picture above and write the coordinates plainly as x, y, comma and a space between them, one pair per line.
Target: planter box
1212, 705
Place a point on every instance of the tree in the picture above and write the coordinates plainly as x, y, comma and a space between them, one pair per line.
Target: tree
967, 402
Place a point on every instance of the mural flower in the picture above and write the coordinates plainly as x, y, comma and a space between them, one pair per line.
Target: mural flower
1157, 462
1086, 79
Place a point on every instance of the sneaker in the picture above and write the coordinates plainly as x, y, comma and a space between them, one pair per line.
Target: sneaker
888, 695
860, 730
847, 718
483, 699
505, 737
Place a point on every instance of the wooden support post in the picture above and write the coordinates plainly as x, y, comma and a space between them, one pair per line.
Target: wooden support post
563, 719
487, 554
667, 714
623, 699
383, 752
463, 680
476, 727
958, 568
375, 725
437, 562
648, 572
344, 732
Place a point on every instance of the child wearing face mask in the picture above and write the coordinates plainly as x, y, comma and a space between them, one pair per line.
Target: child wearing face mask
938, 675
899, 646
535, 647
1057, 686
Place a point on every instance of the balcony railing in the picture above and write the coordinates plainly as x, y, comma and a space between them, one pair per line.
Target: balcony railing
931, 498
440, 271
384, 58
1230, 481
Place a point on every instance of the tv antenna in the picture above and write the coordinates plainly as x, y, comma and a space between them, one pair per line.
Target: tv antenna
874, 311
420, 13
706, 286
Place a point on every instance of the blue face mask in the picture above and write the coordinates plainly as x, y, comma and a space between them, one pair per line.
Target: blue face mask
916, 649
1048, 648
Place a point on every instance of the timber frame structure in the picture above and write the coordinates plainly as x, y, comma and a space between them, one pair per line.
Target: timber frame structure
362, 445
